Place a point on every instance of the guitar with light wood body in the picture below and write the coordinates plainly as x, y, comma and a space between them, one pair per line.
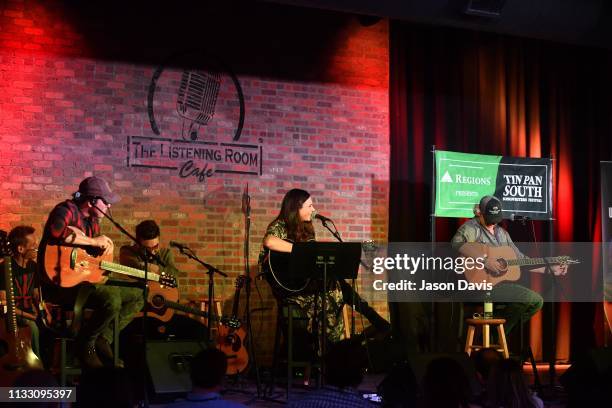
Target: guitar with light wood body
511, 264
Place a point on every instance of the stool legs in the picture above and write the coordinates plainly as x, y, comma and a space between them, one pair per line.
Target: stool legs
486, 339
470, 339
501, 333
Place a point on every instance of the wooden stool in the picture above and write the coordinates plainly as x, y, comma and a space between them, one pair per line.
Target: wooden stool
486, 323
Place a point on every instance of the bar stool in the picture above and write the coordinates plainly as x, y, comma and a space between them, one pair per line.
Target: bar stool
486, 324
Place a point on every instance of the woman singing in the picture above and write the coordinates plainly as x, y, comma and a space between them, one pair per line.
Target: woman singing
294, 224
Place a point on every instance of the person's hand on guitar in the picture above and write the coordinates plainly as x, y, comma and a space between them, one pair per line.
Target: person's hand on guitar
103, 242
559, 269
78, 237
493, 266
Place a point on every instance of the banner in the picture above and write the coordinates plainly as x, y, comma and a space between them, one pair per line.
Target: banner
522, 184
606, 226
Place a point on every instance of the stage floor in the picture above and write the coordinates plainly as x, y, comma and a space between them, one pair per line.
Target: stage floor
245, 393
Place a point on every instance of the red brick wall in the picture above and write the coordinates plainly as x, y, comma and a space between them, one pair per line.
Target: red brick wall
73, 87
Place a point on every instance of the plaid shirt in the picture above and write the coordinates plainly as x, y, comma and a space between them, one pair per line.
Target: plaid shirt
67, 214
332, 397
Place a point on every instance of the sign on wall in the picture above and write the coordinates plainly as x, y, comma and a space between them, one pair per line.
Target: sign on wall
195, 108
522, 184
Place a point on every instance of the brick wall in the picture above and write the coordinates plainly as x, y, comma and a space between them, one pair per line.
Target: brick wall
74, 88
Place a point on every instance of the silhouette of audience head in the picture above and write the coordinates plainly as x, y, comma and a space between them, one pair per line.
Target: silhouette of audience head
484, 360
105, 387
445, 384
506, 386
208, 369
345, 364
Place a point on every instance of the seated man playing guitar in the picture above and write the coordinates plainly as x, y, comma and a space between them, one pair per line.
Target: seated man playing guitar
24, 246
147, 235
294, 223
76, 222
483, 229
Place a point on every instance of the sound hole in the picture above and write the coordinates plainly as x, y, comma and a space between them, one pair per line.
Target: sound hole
158, 301
504, 266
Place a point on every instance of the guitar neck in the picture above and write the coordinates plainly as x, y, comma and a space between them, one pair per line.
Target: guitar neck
533, 261
11, 315
126, 270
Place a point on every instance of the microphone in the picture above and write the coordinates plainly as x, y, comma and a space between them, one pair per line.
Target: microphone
178, 245
521, 218
321, 218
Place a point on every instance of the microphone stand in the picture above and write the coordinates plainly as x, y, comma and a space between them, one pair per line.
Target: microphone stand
527, 352
188, 252
145, 258
336, 235
246, 209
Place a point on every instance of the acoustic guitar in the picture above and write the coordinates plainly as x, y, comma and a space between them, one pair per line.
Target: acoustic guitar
231, 340
68, 266
17, 340
511, 264
275, 267
162, 302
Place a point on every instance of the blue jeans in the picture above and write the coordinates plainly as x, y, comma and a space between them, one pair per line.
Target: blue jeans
525, 304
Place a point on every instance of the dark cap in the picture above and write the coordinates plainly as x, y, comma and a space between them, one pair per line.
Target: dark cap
96, 187
491, 209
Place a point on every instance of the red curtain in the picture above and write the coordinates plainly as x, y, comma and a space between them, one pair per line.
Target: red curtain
487, 93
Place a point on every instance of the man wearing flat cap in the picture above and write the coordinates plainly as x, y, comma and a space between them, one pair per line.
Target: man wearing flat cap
77, 222
483, 229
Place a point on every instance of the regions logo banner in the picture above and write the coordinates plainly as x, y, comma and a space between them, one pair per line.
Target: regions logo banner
522, 184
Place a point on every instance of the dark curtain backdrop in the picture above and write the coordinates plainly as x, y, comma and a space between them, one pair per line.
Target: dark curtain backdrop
487, 93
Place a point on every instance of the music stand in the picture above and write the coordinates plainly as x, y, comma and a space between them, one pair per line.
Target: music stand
323, 261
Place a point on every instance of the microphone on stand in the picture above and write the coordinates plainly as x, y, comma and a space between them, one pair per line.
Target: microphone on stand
319, 217
322, 218
178, 245
521, 218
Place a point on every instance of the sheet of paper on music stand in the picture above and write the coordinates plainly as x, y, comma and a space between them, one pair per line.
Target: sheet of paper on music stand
305, 255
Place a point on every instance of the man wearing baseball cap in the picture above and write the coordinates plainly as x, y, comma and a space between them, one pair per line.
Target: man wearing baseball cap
77, 222
484, 229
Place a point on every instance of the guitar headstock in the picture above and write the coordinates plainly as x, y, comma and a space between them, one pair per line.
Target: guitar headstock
167, 280
231, 322
5, 245
369, 246
566, 260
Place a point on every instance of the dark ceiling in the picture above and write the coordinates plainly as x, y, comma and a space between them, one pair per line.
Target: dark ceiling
581, 22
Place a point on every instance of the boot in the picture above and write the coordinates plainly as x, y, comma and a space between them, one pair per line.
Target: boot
105, 351
86, 353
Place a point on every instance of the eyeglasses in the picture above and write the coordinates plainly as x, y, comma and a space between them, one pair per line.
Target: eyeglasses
106, 203
151, 248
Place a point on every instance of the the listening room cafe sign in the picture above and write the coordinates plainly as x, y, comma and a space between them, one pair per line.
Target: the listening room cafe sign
522, 184
196, 116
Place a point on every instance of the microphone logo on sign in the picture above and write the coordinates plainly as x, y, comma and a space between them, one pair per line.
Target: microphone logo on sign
196, 111
197, 98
